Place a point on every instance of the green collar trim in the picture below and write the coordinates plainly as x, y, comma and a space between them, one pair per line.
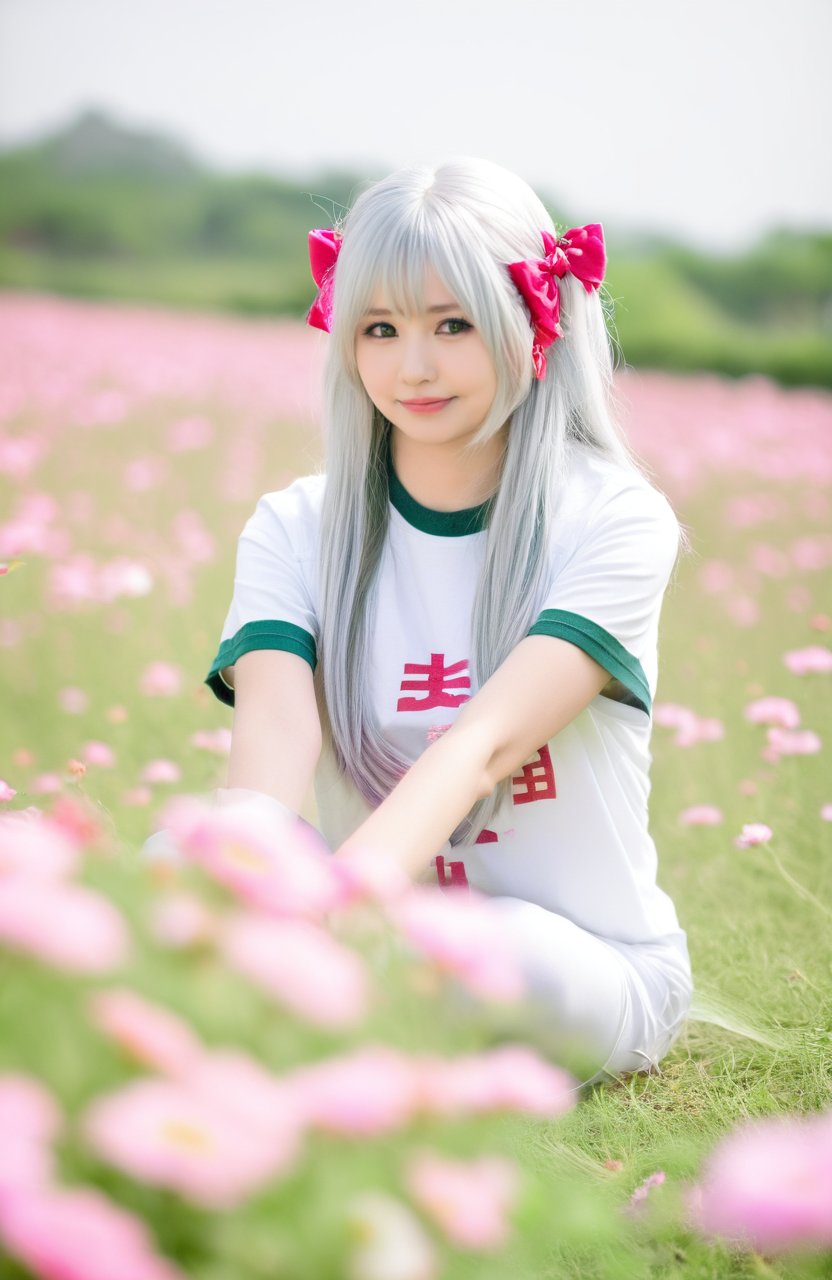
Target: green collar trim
444, 524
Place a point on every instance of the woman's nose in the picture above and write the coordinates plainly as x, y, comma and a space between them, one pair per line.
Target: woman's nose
418, 364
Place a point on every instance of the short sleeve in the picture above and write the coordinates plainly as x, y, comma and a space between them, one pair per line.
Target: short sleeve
606, 593
271, 605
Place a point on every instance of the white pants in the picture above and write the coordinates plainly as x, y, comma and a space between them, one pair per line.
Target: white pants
614, 1006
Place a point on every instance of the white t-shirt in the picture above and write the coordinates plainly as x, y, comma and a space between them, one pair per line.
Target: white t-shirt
575, 837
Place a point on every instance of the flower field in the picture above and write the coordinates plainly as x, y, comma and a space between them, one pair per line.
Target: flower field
236, 1063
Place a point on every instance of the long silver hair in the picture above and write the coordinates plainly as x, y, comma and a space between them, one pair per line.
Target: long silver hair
466, 219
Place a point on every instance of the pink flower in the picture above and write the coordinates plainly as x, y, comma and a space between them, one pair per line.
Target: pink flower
181, 920
189, 433
462, 934
35, 847
148, 1033
826, 812
168, 1134
272, 861
241, 1086
73, 700
768, 1185
512, 1077
470, 1200
160, 680
793, 742
371, 1090
161, 771
777, 711
701, 815
25, 1164
815, 658
27, 1108
753, 833
641, 1192
690, 728
301, 965
79, 1235
99, 753
217, 741
7, 792
65, 925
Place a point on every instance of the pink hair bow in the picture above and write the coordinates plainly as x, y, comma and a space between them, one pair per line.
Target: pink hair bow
324, 247
581, 251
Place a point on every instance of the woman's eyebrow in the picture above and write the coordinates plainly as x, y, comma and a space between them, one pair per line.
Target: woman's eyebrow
445, 306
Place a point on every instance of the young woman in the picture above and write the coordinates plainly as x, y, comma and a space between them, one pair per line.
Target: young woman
455, 627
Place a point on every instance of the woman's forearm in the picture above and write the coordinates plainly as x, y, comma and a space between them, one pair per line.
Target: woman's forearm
414, 821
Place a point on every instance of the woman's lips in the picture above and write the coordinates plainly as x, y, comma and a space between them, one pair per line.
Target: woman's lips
425, 406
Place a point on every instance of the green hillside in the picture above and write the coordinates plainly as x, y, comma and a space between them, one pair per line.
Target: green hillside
100, 211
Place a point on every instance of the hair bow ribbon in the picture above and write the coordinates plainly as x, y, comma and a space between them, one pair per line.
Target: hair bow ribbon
324, 247
580, 251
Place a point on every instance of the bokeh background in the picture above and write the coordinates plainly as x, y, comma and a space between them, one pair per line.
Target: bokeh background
160, 166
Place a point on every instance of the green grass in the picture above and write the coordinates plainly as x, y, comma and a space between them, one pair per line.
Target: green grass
760, 1041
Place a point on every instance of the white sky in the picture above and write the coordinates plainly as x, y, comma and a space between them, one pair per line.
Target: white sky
707, 120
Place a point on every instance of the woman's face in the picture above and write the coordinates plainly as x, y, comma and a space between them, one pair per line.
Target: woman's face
437, 355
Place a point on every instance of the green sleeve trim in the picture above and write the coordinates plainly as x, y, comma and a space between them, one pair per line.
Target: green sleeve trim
600, 645
259, 635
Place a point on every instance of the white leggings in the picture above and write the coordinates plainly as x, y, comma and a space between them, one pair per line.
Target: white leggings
615, 1006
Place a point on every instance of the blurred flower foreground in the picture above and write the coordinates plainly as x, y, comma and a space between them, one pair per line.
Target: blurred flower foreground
244, 1058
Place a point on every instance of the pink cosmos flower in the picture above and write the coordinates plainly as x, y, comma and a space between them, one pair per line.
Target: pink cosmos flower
301, 965
35, 847
161, 771
160, 679
690, 728
7, 792
148, 1033
792, 742
251, 1095
25, 1164
461, 932
65, 925
181, 920
46, 784
99, 753
470, 1200
816, 658
768, 1185
272, 861
137, 797
777, 711
512, 1077
371, 1090
79, 1235
217, 741
27, 1108
641, 1192
753, 833
73, 700
189, 433
168, 1134
701, 815
826, 812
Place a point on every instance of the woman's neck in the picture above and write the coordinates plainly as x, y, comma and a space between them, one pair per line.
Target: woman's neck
442, 477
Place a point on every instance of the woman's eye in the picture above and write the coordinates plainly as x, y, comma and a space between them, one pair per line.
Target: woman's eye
464, 323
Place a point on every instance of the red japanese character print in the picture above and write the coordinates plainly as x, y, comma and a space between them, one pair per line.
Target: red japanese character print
436, 682
458, 878
487, 837
536, 780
